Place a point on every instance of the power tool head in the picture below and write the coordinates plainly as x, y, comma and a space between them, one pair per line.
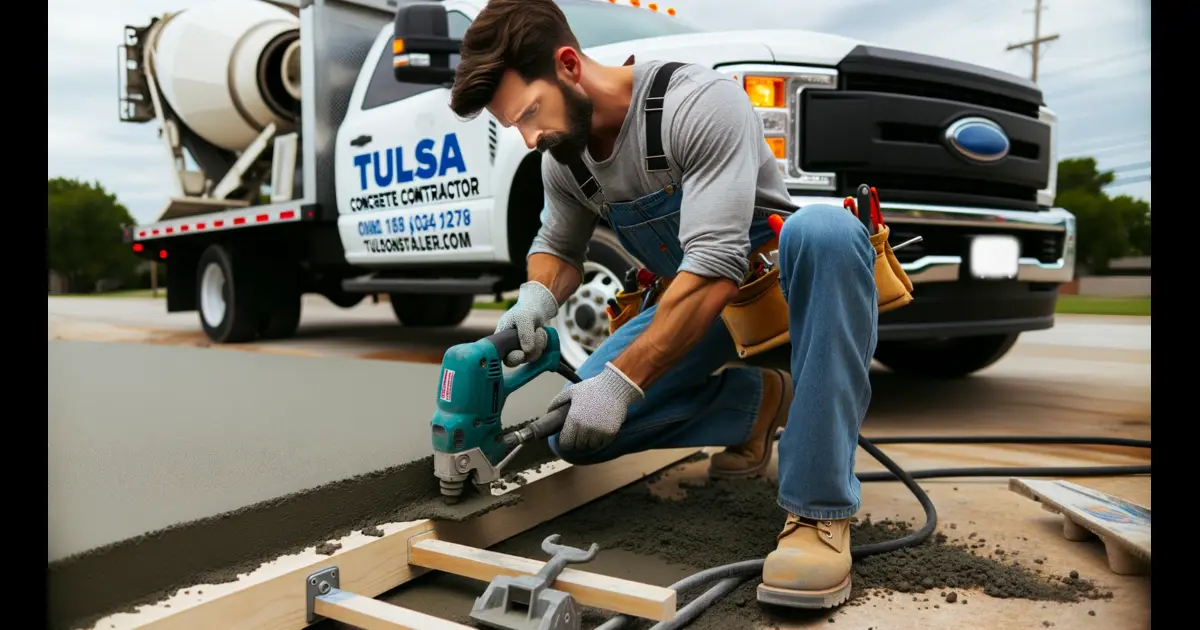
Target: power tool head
468, 442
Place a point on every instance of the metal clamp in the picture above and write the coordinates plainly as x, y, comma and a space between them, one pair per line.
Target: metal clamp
320, 583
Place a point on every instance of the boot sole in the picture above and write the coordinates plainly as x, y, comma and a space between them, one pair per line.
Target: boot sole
785, 402
828, 598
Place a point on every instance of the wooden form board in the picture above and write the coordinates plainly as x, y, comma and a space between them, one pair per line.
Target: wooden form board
1123, 526
589, 589
273, 596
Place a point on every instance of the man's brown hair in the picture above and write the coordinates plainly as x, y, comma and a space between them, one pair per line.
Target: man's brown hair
518, 35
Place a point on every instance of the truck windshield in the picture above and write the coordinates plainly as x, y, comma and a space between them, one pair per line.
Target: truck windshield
599, 23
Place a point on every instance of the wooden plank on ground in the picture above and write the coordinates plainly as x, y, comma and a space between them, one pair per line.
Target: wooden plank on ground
372, 614
273, 596
1124, 527
589, 589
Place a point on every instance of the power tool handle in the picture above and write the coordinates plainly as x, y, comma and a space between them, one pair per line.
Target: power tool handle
539, 429
505, 341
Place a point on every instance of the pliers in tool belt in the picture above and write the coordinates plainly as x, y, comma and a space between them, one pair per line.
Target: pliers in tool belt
868, 197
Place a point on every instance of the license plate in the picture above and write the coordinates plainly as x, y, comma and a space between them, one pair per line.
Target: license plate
995, 257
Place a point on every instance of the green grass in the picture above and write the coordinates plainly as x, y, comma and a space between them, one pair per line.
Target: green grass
135, 293
1080, 305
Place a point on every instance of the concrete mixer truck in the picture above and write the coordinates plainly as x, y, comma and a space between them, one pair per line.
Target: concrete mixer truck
306, 160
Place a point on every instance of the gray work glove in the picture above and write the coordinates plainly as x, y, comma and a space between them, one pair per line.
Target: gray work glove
598, 408
535, 308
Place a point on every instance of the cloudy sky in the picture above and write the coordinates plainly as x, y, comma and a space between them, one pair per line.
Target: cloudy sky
1096, 75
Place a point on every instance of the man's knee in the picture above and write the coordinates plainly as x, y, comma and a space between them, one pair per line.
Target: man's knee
819, 230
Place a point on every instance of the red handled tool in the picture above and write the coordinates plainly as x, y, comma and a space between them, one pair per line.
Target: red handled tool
776, 223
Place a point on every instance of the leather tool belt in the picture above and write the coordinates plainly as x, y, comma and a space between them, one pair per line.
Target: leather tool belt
757, 318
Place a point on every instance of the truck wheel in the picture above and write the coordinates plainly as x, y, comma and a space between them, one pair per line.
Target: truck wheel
227, 296
281, 300
943, 358
422, 311
582, 322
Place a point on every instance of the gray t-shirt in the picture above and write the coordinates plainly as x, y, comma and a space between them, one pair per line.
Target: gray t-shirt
717, 153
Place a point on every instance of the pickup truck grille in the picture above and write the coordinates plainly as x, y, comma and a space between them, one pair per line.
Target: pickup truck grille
885, 125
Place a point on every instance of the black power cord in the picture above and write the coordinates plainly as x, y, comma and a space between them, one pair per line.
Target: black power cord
730, 576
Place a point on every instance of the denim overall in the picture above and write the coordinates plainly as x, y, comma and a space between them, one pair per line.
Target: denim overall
689, 405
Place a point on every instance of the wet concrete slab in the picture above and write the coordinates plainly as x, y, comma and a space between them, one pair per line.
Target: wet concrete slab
141, 437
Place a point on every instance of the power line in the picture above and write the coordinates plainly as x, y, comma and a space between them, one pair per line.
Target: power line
1035, 44
1109, 149
1125, 181
1097, 62
1128, 167
1102, 141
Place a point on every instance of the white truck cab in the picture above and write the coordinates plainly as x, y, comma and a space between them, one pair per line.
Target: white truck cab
390, 192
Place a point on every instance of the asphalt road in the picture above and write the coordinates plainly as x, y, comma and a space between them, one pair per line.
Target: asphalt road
148, 426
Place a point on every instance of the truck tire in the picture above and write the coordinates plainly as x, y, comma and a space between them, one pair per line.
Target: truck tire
582, 321
226, 295
281, 303
424, 311
943, 358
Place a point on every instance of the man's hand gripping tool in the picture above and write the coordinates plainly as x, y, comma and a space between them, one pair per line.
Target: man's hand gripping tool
468, 440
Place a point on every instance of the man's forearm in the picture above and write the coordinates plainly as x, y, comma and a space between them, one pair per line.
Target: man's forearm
685, 312
555, 274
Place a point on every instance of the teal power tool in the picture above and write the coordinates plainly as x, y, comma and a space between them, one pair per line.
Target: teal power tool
469, 443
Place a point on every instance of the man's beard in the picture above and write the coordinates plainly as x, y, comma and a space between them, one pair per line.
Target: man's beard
570, 144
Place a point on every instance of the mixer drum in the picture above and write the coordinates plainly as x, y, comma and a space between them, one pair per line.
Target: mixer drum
229, 68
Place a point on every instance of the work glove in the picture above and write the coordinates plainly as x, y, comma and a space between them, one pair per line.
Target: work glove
535, 307
598, 409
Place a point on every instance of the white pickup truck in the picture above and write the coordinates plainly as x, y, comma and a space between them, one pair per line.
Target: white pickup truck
309, 160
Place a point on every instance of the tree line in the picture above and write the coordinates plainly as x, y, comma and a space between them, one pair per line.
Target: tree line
85, 247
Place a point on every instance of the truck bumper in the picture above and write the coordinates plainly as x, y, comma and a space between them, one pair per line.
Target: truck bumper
949, 300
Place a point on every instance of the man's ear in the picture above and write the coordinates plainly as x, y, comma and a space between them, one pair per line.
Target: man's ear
568, 64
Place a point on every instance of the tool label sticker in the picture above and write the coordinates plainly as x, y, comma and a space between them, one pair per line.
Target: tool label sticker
447, 384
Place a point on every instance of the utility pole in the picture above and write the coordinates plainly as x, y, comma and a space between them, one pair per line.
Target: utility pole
1038, 39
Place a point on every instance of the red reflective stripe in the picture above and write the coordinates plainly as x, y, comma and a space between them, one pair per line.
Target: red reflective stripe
218, 223
239, 220
184, 228
287, 214
262, 217
141, 235
200, 226
170, 230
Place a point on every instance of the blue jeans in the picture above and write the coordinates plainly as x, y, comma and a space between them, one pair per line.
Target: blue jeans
827, 274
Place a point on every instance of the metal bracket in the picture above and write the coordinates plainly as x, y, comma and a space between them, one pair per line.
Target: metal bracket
317, 584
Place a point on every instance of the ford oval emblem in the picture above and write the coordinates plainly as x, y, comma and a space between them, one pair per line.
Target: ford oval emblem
978, 139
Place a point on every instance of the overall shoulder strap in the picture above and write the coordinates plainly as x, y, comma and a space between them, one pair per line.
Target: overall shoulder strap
656, 156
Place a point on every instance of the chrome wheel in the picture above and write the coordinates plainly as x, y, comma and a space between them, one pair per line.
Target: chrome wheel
212, 295
582, 322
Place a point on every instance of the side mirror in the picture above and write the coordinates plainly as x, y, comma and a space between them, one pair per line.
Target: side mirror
421, 46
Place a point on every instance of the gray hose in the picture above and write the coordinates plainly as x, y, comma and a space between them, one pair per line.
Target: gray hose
731, 575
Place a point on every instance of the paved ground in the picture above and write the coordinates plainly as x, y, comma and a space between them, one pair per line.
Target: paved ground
1088, 375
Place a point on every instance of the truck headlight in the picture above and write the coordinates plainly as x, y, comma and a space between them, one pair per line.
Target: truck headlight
764, 91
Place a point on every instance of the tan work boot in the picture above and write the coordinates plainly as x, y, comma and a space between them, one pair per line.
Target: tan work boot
810, 567
753, 455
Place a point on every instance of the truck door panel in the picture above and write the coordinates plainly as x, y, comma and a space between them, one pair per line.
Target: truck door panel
414, 181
